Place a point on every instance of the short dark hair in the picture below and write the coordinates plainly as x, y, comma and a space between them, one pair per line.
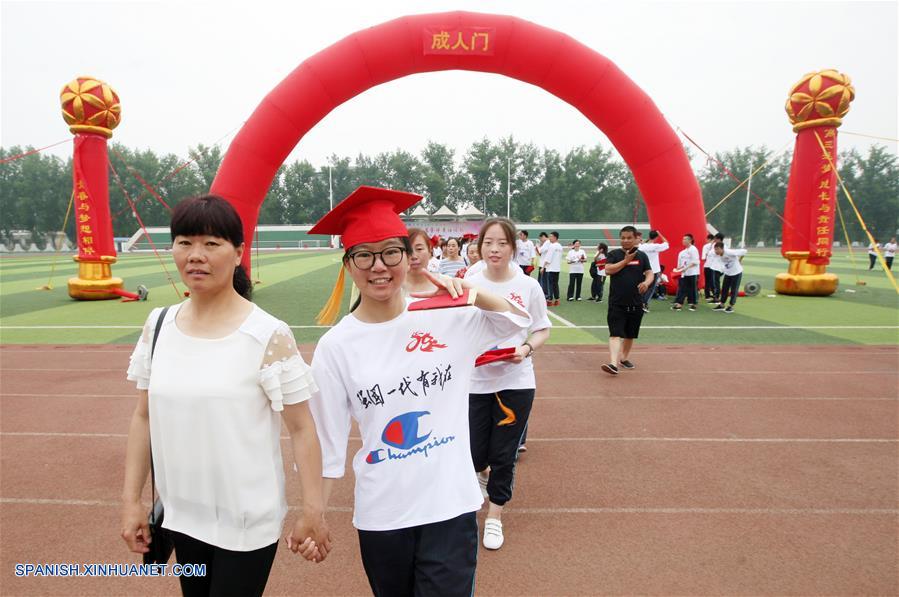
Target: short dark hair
212, 215
689, 235
554, 233
719, 245
630, 229
524, 232
709, 236
719, 235
653, 234
603, 247
542, 234
575, 241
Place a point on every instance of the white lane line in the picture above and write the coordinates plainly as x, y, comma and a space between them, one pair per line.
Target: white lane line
561, 320
727, 440
551, 511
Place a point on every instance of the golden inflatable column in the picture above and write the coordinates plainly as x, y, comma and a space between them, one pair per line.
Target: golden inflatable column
91, 109
816, 107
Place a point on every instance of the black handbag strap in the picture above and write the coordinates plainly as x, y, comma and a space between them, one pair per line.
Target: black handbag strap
156, 331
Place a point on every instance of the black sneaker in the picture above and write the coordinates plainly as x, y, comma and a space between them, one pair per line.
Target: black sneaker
692, 307
718, 307
729, 309
610, 368
627, 364
646, 308
676, 308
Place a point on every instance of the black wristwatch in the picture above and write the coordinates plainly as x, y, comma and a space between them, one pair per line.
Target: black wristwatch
531, 351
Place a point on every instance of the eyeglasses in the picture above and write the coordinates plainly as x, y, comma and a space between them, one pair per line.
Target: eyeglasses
365, 260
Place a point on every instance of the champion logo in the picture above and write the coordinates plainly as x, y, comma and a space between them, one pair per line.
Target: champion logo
404, 439
424, 342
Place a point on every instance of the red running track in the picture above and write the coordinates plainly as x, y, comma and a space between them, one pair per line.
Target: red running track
705, 471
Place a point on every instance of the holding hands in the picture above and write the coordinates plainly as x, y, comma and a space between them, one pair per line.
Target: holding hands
317, 542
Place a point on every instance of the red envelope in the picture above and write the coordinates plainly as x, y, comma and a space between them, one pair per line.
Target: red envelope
445, 301
491, 356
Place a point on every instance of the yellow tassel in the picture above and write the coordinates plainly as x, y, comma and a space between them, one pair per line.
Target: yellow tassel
328, 314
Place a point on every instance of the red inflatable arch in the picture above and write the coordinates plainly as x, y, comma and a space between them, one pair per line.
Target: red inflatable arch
477, 42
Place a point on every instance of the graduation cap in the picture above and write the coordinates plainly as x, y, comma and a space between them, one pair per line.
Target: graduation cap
368, 215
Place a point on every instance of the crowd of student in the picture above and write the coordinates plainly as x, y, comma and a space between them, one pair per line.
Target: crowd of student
442, 396
722, 267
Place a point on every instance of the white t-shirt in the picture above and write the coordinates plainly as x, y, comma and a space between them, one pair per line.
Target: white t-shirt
544, 253
406, 383
554, 257
575, 259
652, 251
689, 255
503, 375
731, 261
482, 265
871, 250
437, 252
215, 427
434, 265
710, 257
889, 249
524, 252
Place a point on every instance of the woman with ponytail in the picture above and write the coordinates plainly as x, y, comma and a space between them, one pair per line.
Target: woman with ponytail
216, 375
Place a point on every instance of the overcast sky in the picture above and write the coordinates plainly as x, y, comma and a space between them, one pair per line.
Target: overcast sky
191, 72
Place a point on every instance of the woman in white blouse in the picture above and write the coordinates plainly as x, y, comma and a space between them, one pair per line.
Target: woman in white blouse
212, 394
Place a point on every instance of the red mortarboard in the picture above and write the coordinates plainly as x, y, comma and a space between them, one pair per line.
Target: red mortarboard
368, 215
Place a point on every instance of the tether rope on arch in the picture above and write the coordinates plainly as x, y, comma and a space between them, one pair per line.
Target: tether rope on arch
144, 228
27, 153
861, 221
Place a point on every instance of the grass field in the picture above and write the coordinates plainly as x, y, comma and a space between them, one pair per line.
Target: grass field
295, 284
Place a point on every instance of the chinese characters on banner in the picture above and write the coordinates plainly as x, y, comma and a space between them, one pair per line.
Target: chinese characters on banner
93, 225
85, 232
470, 41
822, 203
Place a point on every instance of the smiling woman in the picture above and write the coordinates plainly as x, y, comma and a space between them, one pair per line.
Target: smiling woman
223, 374
403, 375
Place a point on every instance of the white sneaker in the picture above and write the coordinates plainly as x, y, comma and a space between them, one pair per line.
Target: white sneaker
493, 533
483, 477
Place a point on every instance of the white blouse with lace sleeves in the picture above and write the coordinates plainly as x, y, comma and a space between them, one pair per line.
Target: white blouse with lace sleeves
139, 366
284, 375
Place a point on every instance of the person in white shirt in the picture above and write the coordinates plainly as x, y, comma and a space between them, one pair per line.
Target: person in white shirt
438, 243
525, 252
553, 268
709, 249
657, 244
713, 270
889, 252
216, 377
404, 377
502, 393
732, 261
598, 272
575, 259
688, 267
541, 262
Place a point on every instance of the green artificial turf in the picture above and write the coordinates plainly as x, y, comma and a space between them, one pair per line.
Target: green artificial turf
294, 285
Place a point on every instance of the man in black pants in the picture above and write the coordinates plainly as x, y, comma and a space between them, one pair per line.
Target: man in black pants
630, 276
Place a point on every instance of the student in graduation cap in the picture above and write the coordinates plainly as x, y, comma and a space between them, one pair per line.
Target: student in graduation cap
404, 376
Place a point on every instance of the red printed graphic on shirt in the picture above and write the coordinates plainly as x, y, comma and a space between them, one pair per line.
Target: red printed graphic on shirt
516, 299
424, 342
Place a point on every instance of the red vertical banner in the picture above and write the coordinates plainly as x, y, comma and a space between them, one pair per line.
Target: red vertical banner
822, 204
93, 224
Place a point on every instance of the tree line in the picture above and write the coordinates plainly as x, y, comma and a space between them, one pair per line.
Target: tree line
582, 185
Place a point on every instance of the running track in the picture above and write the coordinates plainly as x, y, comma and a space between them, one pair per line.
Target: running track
706, 471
